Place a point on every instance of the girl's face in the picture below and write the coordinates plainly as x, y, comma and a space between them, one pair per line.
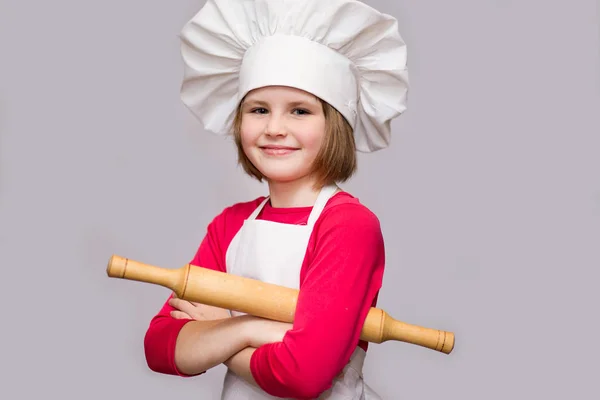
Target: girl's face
282, 131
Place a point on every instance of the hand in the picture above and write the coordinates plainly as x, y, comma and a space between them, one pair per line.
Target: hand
185, 309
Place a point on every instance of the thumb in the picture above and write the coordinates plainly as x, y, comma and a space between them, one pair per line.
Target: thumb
180, 315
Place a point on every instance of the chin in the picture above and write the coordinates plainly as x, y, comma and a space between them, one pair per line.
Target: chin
281, 177
274, 174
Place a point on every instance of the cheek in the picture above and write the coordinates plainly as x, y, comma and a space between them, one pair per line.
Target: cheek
315, 140
249, 132
244, 137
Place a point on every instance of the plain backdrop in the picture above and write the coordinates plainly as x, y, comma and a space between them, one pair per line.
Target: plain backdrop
489, 197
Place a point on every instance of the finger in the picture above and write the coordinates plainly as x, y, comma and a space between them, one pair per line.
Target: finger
176, 303
179, 315
182, 305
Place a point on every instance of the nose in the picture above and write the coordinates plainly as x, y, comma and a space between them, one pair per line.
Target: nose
275, 126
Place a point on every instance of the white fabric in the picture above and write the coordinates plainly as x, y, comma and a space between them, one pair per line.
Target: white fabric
274, 252
342, 51
336, 82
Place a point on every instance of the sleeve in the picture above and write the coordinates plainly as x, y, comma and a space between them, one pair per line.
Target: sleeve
161, 335
343, 278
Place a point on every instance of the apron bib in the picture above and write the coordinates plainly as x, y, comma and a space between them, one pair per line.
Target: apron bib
274, 252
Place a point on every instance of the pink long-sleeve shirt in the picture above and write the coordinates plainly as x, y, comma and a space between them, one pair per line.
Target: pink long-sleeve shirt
339, 281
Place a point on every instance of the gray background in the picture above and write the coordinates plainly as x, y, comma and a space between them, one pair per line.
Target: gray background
489, 197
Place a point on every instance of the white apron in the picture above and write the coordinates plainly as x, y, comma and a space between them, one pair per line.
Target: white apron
274, 252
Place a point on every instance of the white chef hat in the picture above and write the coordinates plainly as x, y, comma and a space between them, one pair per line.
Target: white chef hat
342, 51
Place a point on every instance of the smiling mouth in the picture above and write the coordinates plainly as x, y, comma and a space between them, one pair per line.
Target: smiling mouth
277, 150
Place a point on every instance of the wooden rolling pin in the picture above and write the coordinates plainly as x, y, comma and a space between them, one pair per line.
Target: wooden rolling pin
266, 300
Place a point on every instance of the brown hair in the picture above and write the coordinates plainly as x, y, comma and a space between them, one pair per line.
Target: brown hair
336, 160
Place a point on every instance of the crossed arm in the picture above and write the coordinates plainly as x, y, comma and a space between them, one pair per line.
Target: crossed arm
287, 360
224, 339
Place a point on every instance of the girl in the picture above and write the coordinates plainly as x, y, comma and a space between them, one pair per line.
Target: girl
302, 85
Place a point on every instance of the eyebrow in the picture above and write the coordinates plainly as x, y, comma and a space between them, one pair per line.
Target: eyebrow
265, 104
255, 102
303, 103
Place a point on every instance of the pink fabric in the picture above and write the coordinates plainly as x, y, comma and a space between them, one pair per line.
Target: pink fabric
340, 278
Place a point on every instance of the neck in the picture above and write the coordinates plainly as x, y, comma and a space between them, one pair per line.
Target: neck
299, 193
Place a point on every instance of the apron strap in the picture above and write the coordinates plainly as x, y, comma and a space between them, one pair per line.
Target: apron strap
322, 199
257, 210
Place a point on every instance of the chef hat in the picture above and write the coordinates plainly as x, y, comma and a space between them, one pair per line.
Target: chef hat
342, 51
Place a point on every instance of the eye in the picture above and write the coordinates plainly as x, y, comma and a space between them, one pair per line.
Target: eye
301, 111
258, 110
